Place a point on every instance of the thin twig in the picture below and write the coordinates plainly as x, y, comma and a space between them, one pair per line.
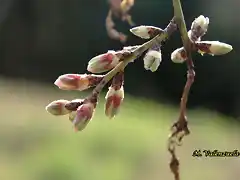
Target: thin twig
180, 128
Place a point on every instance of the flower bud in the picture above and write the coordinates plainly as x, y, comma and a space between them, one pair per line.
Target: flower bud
103, 62
78, 82
213, 47
199, 28
146, 32
57, 107
114, 99
152, 60
179, 55
200, 22
72, 82
82, 116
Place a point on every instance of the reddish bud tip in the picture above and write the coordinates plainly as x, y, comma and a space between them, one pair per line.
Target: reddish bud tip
73, 82
103, 62
82, 116
114, 99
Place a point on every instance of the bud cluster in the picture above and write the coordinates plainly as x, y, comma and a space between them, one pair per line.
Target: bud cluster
81, 111
198, 30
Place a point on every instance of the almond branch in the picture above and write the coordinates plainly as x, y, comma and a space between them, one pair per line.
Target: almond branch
80, 111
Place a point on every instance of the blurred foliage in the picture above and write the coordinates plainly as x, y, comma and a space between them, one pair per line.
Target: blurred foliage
36, 145
43, 39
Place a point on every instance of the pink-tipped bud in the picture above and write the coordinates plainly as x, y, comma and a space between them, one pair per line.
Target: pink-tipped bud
82, 116
213, 47
78, 82
146, 32
152, 60
57, 107
199, 28
103, 62
114, 100
179, 55
72, 82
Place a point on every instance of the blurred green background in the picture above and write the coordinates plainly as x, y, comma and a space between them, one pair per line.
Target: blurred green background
38, 146
42, 39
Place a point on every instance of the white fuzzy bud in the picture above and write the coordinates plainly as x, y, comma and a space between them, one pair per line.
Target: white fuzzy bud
199, 28
179, 55
213, 47
201, 21
146, 32
152, 60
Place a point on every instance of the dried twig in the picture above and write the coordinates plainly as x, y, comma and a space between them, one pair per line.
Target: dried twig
119, 9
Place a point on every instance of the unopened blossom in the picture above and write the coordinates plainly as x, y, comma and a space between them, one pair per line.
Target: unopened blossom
152, 60
146, 32
199, 28
114, 100
213, 47
104, 62
77, 81
57, 107
200, 22
82, 116
179, 55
